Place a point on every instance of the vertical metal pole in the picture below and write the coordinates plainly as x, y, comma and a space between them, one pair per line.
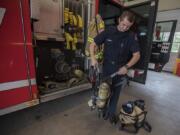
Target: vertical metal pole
82, 15
86, 21
171, 37
63, 7
25, 48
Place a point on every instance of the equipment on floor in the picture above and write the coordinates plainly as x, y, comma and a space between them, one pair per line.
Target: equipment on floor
132, 117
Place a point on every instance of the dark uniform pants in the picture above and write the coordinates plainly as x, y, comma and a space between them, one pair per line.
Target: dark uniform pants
111, 108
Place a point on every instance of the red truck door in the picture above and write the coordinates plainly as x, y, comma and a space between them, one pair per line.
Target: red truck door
17, 75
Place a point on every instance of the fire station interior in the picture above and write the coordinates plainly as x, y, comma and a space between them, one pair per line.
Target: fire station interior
69, 101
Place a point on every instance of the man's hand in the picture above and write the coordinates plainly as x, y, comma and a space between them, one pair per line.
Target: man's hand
122, 71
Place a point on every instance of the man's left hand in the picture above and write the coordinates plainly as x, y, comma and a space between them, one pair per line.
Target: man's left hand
122, 71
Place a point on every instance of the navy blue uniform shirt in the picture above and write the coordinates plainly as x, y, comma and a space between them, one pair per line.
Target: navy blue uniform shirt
118, 48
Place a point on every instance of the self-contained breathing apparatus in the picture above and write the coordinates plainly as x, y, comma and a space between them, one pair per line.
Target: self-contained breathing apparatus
101, 89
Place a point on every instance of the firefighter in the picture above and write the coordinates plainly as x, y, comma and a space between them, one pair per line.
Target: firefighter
119, 44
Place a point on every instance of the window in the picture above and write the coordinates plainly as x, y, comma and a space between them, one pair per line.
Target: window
165, 36
176, 42
162, 31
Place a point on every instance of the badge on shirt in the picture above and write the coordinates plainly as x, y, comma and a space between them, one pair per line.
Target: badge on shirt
109, 40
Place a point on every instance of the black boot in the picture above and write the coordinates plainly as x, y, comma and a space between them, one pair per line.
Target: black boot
105, 115
113, 119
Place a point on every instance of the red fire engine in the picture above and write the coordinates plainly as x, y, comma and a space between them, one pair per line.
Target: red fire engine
32, 43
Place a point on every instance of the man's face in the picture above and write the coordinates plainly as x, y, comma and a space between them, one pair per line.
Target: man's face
124, 24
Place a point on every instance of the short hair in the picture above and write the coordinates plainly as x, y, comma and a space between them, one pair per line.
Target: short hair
129, 15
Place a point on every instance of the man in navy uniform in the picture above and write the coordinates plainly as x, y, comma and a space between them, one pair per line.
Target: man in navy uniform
119, 44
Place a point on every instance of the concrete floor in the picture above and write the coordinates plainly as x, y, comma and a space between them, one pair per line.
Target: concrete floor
71, 116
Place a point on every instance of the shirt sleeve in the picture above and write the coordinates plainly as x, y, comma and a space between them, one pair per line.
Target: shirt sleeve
100, 38
134, 45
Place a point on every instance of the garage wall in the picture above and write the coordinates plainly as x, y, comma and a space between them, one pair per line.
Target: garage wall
168, 5
170, 15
